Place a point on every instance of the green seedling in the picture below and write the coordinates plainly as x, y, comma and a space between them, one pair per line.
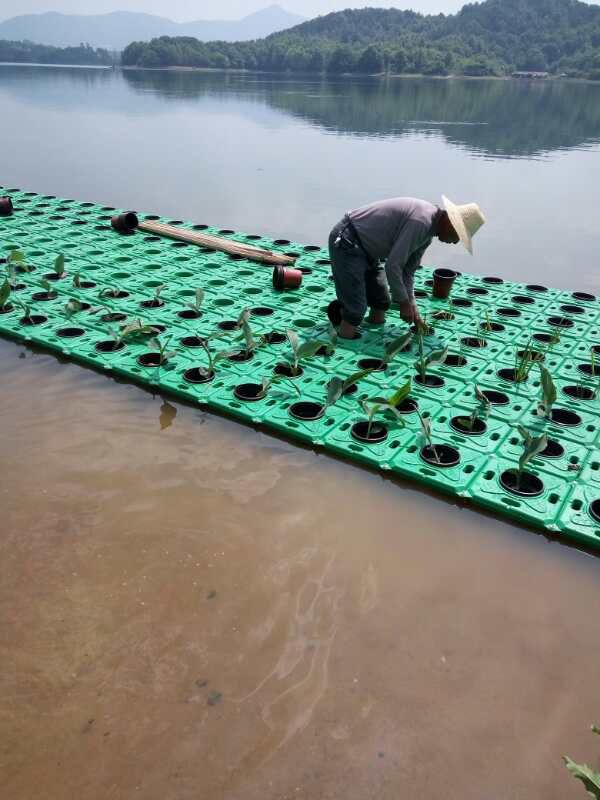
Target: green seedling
532, 447
25, 307
427, 432
487, 325
396, 346
4, 294
72, 307
247, 334
47, 287
481, 411
423, 362
213, 358
304, 351
377, 405
589, 778
109, 291
549, 394
337, 387
162, 349
274, 380
198, 300
524, 363
59, 265
16, 261
158, 291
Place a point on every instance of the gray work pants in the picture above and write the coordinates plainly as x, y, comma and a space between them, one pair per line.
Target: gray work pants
359, 283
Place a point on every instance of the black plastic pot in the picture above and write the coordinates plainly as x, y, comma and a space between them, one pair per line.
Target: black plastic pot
262, 311
109, 346
523, 299
478, 429
189, 313
506, 311
378, 433
287, 372
494, 327
474, 342
192, 341
569, 309
274, 338
125, 223
594, 509
579, 392
565, 418
591, 370
309, 412
588, 298
33, 319
249, 392
375, 364
553, 449
560, 322
150, 360
114, 316
510, 374
454, 360
152, 303
528, 485
198, 375
430, 381
443, 281
70, 333
241, 357
535, 287
493, 280
495, 398
441, 455
6, 207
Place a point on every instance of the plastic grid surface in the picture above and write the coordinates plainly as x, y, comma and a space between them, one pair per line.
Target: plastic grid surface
44, 227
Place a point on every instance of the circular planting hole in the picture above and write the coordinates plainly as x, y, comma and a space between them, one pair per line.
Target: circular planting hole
262, 311
506, 311
311, 248
18, 287
477, 291
408, 406
118, 294
510, 374
44, 296
565, 418
226, 232
70, 333
532, 355
372, 363
86, 285
115, 316
525, 485
587, 298
287, 371
149, 360
109, 346
282, 242
535, 287
33, 319
463, 425
495, 327
228, 325
53, 276
378, 432
462, 302
307, 411
249, 392
594, 510
444, 316
152, 303
198, 375
351, 390
274, 338
189, 313
440, 455
420, 294
454, 360
7, 308
305, 270
591, 370
495, 398
569, 309
472, 341
554, 449
543, 338
430, 381
523, 299
192, 341
560, 322
579, 392
253, 237
241, 357
493, 280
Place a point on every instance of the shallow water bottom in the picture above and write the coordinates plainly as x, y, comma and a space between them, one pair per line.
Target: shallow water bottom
193, 609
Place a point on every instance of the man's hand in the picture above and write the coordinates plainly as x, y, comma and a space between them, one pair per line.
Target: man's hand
407, 311
416, 315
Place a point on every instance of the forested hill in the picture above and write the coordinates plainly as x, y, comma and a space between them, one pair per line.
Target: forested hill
30, 53
494, 37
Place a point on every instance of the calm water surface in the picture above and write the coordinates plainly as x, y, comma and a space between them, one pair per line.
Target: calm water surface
192, 609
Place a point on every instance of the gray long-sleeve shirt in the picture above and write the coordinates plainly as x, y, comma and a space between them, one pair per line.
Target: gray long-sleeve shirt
397, 231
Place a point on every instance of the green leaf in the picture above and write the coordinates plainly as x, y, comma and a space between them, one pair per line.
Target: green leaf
437, 357
426, 427
356, 378
397, 346
59, 264
72, 307
548, 389
293, 340
308, 349
4, 293
589, 778
400, 395
335, 389
532, 448
17, 257
199, 297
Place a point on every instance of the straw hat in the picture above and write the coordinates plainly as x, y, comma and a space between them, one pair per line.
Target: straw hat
466, 221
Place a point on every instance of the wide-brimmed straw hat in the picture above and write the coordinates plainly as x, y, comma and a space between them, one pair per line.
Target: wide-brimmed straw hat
466, 221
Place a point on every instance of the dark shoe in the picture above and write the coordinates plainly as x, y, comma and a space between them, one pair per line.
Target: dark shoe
334, 312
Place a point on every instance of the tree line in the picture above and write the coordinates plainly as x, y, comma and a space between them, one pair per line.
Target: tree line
495, 37
31, 53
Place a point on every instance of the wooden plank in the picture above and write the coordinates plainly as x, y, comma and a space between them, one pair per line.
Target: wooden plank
216, 243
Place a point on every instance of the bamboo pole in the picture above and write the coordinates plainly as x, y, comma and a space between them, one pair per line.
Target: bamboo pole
216, 243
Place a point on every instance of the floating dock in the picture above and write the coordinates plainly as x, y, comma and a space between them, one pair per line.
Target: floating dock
111, 280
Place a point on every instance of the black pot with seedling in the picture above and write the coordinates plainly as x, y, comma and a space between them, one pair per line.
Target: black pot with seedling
16, 262
6, 207
58, 272
78, 283
423, 363
159, 357
475, 423
436, 455
47, 294
290, 368
491, 327
114, 293
523, 365
591, 370
518, 481
156, 301
5, 306
474, 342
28, 319
194, 309
370, 432
274, 338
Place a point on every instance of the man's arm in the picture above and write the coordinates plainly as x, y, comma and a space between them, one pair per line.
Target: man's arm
399, 275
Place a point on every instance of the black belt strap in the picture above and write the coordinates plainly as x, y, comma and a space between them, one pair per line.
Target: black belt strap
350, 225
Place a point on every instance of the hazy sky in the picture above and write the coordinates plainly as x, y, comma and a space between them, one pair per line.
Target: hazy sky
212, 9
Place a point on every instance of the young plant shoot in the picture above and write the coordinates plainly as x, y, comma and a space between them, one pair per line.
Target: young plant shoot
480, 412
396, 346
423, 362
59, 266
337, 387
532, 447
588, 777
549, 394
4, 294
427, 433
377, 405
198, 301
162, 349
304, 351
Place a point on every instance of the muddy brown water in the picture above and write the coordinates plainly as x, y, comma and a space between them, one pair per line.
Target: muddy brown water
193, 609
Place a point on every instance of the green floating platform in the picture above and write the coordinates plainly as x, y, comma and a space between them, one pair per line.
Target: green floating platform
44, 227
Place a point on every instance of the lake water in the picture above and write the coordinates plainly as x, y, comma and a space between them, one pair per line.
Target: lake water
193, 609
